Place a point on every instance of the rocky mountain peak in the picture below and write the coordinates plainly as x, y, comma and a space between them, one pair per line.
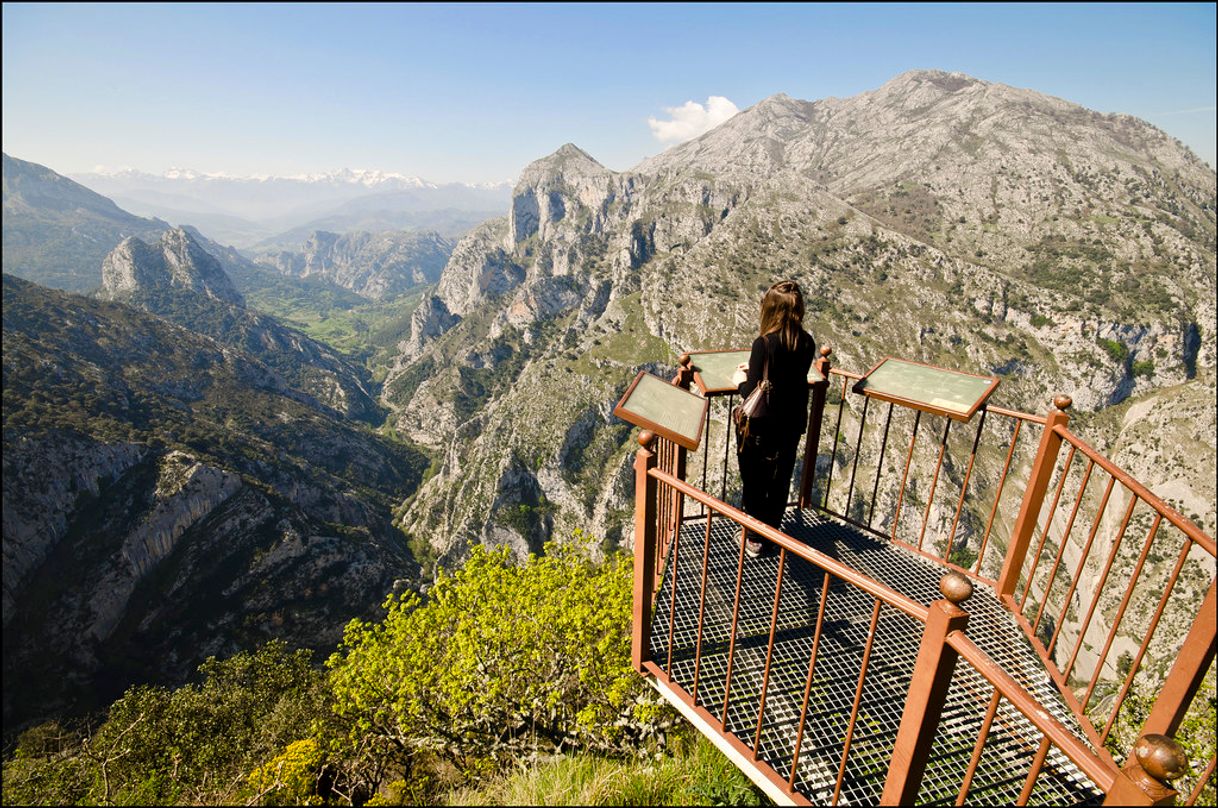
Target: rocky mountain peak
778, 105
320, 240
550, 186
175, 262
945, 81
568, 161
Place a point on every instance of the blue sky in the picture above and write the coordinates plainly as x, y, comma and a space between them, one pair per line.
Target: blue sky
473, 93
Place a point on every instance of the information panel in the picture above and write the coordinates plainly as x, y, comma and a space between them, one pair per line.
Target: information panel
713, 370
665, 409
927, 388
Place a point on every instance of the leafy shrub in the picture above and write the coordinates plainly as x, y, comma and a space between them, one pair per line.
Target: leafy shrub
192, 745
501, 661
1143, 368
291, 777
1115, 350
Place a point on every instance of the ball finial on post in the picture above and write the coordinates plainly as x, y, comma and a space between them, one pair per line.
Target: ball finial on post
1063, 402
1161, 757
956, 587
825, 351
646, 437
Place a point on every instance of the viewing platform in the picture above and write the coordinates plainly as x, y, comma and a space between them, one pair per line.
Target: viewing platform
944, 623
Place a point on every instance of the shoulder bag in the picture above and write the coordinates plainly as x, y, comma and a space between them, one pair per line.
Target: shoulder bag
755, 406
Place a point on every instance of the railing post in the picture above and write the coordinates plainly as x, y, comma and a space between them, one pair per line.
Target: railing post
1033, 497
675, 506
816, 414
932, 676
645, 511
1155, 761
685, 373
1187, 672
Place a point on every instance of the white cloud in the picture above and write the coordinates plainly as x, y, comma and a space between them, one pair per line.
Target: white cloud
692, 119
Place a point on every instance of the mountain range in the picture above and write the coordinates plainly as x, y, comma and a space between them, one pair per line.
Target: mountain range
168, 496
57, 233
276, 211
938, 218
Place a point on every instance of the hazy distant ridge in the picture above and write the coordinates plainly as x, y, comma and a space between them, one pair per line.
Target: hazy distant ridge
246, 210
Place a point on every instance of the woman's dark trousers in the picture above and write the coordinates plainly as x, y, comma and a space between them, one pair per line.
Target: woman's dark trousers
767, 461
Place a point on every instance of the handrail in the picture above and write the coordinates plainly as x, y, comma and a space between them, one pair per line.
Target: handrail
827, 563
1024, 416
1177, 519
964, 500
1102, 774
1032, 538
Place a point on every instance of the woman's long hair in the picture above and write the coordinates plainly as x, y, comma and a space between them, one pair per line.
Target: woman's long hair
782, 312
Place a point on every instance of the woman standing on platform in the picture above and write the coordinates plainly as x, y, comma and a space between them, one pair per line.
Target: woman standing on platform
782, 354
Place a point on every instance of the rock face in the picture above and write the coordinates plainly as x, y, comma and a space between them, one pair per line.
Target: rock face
30, 534
181, 281
375, 265
176, 262
939, 218
56, 232
167, 497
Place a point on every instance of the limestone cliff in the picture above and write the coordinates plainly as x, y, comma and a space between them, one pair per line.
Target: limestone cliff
175, 262
940, 218
375, 265
166, 498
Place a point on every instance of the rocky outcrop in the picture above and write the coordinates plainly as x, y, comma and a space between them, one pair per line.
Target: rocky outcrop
45, 477
186, 492
176, 262
480, 269
939, 218
184, 283
375, 265
430, 320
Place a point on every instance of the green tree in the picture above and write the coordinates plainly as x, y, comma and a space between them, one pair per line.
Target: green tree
193, 745
502, 661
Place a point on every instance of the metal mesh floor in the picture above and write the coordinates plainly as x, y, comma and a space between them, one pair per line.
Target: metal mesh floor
1011, 743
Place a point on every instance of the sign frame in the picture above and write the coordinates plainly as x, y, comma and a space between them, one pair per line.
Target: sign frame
926, 406
640, 421
710, 392
706, 390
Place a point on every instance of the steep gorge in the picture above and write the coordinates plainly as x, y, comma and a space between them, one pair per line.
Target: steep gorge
939, 218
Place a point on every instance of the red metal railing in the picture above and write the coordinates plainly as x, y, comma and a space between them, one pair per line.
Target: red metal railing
665, 485
968, 476
1103, 541
972, 481
943, 640
1067, 506
942, 629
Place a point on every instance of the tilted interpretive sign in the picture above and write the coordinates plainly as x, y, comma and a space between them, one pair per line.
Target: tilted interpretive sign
667, 410
927, 388
713, 370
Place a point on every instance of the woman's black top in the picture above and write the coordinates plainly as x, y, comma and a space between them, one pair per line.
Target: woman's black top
787, 410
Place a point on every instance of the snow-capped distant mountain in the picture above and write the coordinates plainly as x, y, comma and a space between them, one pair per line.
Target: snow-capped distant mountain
369, 177
244, 210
